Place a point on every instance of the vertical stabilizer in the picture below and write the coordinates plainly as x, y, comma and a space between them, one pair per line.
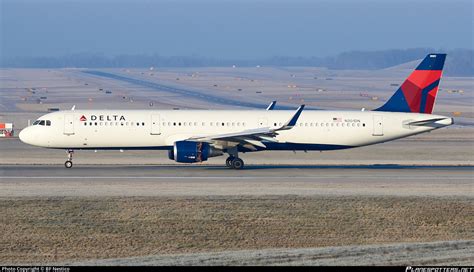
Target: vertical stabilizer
418, 92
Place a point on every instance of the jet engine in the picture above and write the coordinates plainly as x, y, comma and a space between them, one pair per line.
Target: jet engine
189, 152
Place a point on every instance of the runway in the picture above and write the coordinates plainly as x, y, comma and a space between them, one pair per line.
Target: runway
185, 92
167, 180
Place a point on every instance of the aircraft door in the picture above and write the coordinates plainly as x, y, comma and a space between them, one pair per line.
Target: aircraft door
378, 125
155, 124
68, 124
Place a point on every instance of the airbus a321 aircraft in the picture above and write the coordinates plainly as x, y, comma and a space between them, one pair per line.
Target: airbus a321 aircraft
192, 136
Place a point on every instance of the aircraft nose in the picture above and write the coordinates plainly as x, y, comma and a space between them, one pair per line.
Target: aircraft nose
25, 136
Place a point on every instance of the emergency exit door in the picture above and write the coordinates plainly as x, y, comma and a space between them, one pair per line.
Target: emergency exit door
378, 125
155, 124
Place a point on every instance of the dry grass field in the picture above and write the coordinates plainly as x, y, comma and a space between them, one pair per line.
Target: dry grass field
59, 229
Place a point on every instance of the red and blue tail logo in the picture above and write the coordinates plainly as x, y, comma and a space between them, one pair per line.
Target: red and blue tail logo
418, 92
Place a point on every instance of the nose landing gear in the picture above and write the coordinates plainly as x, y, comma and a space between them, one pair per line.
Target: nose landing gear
68, 163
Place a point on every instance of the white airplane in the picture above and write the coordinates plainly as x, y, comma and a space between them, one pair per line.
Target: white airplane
192, 136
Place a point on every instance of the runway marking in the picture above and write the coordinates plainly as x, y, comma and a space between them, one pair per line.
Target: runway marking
233, 177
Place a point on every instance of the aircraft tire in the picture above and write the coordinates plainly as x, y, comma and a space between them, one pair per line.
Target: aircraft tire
68, 164
228, 162
237, 163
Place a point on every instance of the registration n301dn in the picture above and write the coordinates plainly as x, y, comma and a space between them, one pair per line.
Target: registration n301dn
192, 136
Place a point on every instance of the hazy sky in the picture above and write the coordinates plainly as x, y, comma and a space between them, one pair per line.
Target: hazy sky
231, 29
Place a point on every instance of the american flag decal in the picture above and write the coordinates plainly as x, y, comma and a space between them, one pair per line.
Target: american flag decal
337, 119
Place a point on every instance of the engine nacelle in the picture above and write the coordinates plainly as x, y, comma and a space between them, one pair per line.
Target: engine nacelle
189, 152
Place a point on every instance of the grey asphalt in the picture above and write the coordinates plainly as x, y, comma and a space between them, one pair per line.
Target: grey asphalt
172, 180
433, 253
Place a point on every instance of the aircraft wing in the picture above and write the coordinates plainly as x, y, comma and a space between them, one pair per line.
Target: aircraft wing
250, 137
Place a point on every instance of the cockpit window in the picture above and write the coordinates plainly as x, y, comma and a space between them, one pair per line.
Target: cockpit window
42, 123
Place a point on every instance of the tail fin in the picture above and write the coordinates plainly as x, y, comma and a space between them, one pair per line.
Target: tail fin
418, 92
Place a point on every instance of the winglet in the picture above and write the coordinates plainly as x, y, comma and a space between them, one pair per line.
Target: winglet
292, 122
272, 105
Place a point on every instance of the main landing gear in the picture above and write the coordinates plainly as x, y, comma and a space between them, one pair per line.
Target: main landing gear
68, 163
233, 161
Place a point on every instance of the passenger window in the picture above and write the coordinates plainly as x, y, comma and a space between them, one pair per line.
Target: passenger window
95, 123
143, 123
121, 124
363, 125
179, 123
174, 123
223, 124
85, 123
